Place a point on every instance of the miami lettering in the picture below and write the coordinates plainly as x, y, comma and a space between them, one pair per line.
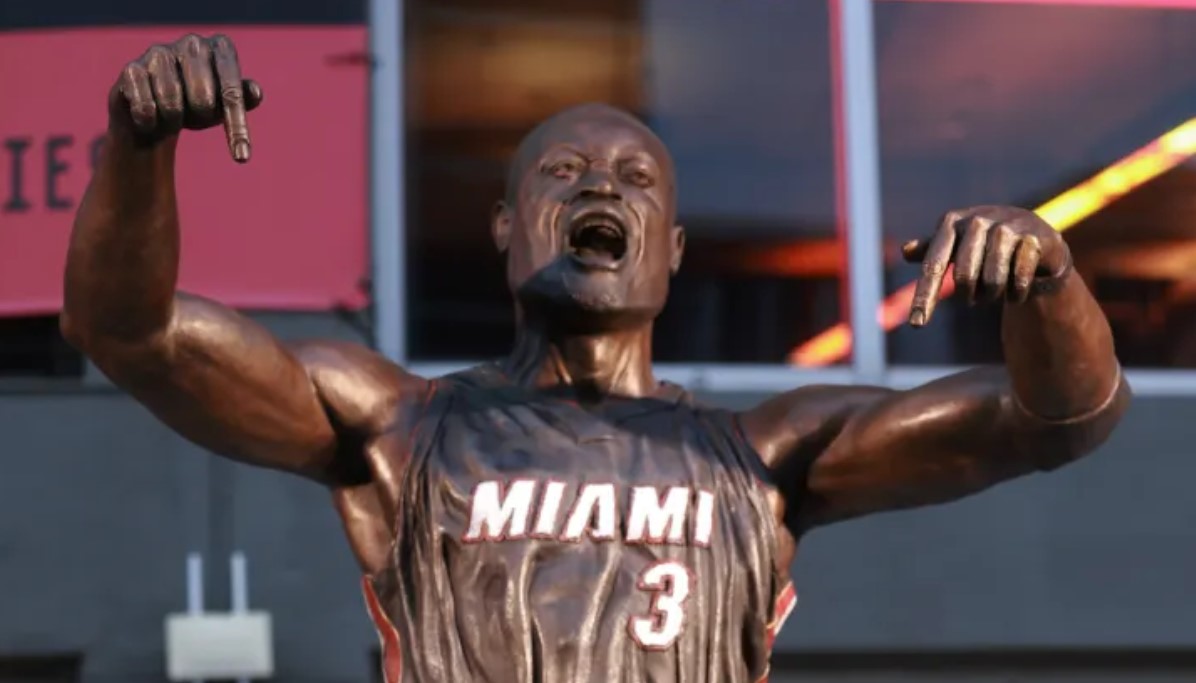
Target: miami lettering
527, 508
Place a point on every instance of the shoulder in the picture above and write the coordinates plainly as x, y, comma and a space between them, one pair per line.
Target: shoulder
360, 388
781, 424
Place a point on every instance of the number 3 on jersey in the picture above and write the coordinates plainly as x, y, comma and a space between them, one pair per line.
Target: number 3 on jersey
670, 583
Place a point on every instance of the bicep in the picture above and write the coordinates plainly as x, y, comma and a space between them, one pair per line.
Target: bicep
934, 444
225, 383
910, 449
843, 452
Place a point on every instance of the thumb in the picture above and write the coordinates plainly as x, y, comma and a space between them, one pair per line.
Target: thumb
914, 251
253, 94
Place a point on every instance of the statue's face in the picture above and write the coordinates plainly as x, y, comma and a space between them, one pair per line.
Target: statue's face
589, 229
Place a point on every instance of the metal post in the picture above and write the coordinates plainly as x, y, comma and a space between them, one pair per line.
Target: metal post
239, 589
387, 205
864, 241
195, 587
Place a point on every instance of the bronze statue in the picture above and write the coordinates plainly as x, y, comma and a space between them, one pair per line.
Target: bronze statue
561, 514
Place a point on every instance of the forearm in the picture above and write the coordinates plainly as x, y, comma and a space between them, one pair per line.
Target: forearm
122, 263
1059, 352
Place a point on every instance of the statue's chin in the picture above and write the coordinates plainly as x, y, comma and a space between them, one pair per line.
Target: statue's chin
583, 301
571, 289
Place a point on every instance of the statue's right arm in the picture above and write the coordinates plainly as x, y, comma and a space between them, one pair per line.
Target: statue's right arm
216, 377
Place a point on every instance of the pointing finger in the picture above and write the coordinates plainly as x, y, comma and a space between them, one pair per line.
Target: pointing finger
934, 267
232, 97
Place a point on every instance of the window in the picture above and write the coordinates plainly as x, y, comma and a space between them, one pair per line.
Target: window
984, 103
740, 92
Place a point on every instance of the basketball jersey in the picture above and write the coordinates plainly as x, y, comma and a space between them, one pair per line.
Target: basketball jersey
543, 541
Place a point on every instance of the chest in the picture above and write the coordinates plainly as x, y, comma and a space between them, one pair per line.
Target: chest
508, 471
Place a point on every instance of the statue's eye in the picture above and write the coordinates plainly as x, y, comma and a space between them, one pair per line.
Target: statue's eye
565, 168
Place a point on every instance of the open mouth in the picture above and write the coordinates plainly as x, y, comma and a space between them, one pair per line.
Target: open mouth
598, 240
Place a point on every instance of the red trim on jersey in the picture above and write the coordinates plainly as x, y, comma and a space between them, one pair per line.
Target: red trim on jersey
783, 607
786, 601
392, 656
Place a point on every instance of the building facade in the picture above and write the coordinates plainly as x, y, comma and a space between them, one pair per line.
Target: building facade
810, 140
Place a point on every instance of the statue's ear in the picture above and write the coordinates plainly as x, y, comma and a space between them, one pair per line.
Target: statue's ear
500, 225
678, 249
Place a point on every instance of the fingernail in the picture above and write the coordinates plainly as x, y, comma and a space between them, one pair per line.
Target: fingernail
909, 245
917, 318
241, 150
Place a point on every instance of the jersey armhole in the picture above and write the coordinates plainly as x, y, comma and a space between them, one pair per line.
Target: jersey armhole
785, 597
760, 469
416, 424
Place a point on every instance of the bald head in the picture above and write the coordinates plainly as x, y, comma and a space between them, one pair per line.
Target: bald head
567, 123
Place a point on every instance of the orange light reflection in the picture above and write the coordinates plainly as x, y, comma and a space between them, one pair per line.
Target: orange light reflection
1064, 211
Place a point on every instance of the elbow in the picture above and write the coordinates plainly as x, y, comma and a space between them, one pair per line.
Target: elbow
113, 352
80, 331
72, 330
95, 325
76, 320
1056, 443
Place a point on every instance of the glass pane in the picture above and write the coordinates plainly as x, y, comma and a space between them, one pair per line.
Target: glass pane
985, 103
740, 92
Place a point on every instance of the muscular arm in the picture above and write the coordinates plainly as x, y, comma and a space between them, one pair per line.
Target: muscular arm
842, 452
217, 378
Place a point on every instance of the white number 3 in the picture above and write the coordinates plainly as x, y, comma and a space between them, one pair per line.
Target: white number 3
670, 581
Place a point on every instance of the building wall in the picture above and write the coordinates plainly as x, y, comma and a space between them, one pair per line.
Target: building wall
99, 505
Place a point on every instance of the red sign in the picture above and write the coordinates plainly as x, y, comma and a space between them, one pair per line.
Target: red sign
285, 231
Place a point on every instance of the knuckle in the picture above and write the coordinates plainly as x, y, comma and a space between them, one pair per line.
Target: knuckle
159, 53
232, 95
1006, 230
980, 222
203, 106
133, 71
200, 94
934, 268
222, 42
143, 111
171, 106
958, 219
189, 41
194, 46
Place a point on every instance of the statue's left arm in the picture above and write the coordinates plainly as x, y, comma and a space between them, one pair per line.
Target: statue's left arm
842, 452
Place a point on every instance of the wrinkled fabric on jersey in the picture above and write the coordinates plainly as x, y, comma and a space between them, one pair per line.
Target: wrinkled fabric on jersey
540, 540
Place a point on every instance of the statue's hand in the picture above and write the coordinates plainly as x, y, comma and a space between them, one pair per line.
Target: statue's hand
998, 252
193, 83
